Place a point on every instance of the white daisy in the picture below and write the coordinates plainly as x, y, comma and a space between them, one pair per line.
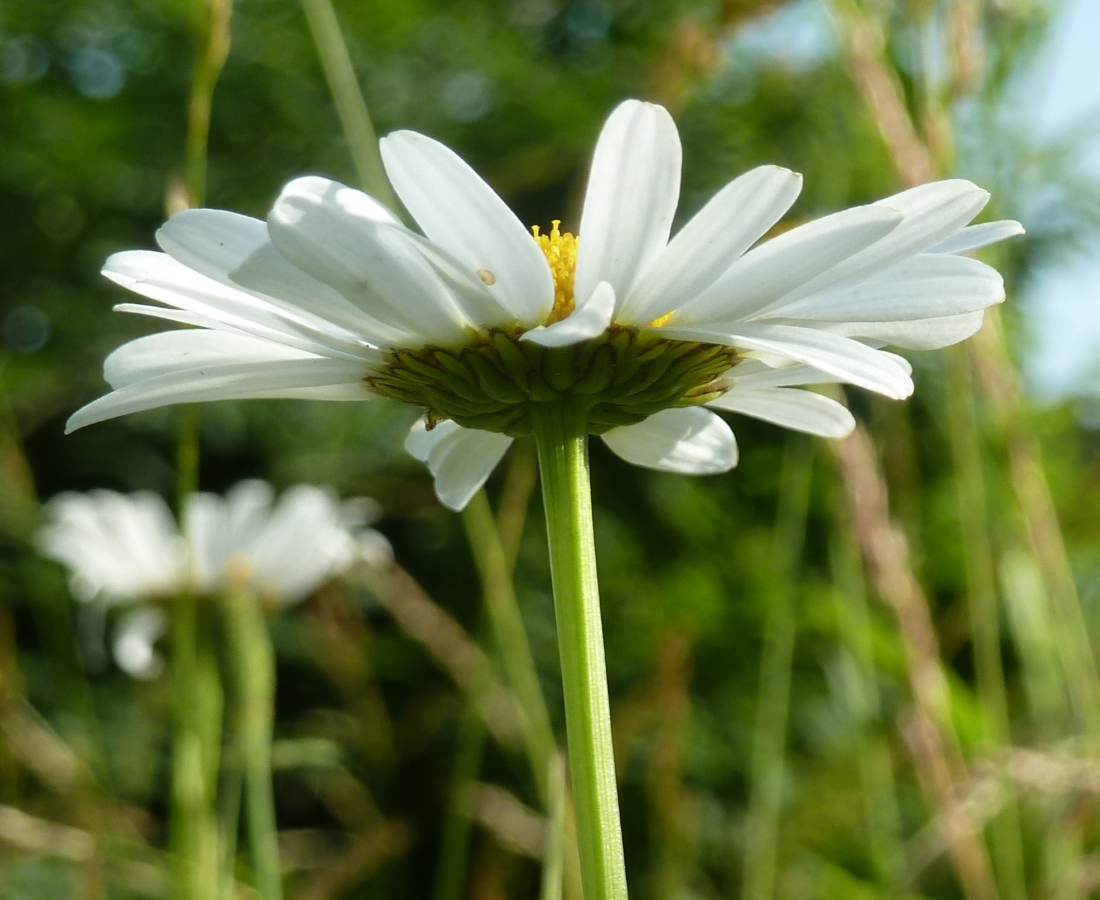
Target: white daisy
127, 549
474, 319
118, 548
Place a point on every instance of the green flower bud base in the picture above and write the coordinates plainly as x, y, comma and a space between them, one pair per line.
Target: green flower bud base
619, 378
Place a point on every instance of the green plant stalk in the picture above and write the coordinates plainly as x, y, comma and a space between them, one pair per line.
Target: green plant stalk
212, 31
561, 435
553, 860
863, 704
253, 662
197, 714
766, 790
962, 416
454, 848
229, 816
348, 99
511, 638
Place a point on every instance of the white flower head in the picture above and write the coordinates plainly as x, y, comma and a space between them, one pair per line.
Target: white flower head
118, 548
127, 549
474, 319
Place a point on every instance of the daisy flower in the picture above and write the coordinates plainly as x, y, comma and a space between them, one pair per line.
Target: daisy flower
127, 549
476, 320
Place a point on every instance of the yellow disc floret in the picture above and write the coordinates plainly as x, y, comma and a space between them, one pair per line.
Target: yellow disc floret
561, 252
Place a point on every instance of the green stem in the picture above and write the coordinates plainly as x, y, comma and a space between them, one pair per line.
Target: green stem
864, 708
454, 849
981, 595
766, 791
553, 862
229, 816
253, 662
562, 439
212, 29
350, 105
197, 697
511, 637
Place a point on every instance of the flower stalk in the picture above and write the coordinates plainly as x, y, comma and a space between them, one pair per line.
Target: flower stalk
252, 660
197, 715
197, 697
561, 434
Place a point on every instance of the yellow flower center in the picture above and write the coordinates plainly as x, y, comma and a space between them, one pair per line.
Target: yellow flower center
560, 251
239, 569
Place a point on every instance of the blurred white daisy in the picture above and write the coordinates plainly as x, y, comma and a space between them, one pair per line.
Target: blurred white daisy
127, 549
476, 319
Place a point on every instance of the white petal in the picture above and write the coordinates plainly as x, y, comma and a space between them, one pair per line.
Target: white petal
691, 441
248, 506
633, 189
268, 273
117, 547
923, 334
734, 219
461, 213
590, 318
183, 318
206, 525
177, 351
293, 379
135, 638
845, 359
977, 236
752, 373
460, 459
933, 212
926, 286
318, 225
161, 278
479, 303
211, 241
236, 250
420, 439
301, 545
778, 267
790, 408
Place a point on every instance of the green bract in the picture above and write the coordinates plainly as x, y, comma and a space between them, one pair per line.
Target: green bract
620, 378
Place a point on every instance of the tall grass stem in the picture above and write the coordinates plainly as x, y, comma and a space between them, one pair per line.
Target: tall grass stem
348, 99
510, 635
454, 850
766, 791
252, 661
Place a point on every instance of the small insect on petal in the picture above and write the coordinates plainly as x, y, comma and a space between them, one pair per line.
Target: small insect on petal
488, 277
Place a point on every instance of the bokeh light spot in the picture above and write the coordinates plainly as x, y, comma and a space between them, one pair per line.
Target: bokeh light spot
97, 73
26, 329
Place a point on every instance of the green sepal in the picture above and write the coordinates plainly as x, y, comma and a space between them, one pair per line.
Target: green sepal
601, 369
